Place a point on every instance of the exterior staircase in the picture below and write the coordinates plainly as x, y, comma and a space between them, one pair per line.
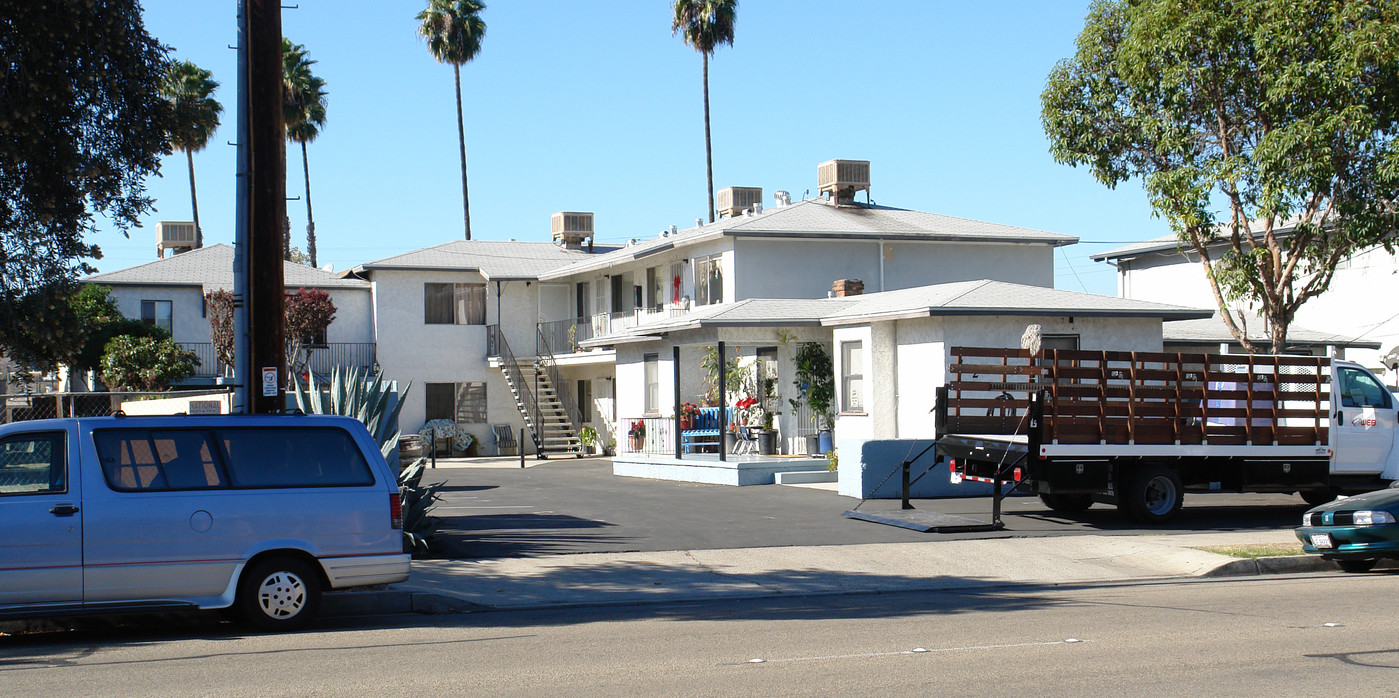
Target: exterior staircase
543, 409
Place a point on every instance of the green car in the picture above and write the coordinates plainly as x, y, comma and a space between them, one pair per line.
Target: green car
1356, 531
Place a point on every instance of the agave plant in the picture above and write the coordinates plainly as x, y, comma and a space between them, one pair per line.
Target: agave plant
359, 394
418, 501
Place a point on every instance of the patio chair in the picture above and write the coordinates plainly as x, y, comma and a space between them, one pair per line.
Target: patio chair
505, 440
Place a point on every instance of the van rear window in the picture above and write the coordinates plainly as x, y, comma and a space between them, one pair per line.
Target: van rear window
192, 459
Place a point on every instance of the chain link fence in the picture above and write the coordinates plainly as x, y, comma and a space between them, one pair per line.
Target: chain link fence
19, 407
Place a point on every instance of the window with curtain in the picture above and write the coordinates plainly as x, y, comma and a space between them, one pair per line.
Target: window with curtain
454, 304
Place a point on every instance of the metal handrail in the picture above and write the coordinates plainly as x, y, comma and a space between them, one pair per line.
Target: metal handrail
546, 359
556, 334
512, 369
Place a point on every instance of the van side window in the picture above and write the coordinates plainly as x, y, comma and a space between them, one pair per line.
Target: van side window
33, 464
293, 458
139, 460
188, 460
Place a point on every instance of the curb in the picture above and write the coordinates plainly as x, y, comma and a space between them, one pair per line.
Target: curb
1288, 564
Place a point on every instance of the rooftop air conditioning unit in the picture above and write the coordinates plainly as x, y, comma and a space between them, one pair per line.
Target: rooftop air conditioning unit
733, 201
843, 178
174, 235
572, 227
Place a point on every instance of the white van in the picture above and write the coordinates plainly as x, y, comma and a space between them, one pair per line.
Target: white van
254, 514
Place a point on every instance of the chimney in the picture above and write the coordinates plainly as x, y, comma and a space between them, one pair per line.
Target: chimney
847, 287
842, 178
573, 227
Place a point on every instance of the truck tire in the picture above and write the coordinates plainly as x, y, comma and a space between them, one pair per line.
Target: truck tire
1067, 503
1317, 498
1153, 495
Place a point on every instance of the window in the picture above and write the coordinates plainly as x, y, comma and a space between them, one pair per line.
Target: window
159, 313
33, 464
652, 364
454, 304
441, 401
677, 272
1359, 389
1059, 341
852, 376
193, 459
709, 281
259, 458
581, 300
655, 285
585, 400
463, 403
471, 403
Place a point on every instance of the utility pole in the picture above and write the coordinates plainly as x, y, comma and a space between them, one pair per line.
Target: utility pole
266, 182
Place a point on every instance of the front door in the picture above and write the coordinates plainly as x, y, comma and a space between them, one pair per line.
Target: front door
41, 551
1364, 417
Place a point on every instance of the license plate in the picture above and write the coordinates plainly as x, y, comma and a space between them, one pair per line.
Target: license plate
1321, 540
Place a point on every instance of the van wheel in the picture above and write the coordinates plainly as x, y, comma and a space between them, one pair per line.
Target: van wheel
1317, 497
1068, 503
1357, 565
1153, 495
279, 594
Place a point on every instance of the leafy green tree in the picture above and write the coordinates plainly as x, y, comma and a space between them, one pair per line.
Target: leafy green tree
101, 321
303, 112
145, 363
705, 25
1282, 114
190, 90
454, 30
83, 124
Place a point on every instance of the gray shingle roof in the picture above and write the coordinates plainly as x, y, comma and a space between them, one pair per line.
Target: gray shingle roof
982, 297
985, 297
1211, 330
813, 219
494, 259
1170, 243
212, 267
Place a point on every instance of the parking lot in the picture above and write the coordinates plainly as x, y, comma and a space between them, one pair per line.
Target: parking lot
577, 506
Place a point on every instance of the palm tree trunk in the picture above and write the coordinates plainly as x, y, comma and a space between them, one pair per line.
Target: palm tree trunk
194, 202
708, 149
461, 141
310, 221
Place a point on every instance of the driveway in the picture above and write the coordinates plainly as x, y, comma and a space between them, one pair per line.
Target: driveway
569, 506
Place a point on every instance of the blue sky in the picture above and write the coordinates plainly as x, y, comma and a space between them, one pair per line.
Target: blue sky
596, 107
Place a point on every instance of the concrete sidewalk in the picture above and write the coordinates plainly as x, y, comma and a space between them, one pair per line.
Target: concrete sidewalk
602, 579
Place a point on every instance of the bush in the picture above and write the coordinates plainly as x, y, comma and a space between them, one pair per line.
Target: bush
145, 363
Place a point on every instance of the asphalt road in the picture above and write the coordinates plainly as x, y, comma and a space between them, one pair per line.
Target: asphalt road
1304, 635
578, 506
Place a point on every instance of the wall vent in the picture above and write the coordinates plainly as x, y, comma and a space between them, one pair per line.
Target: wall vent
842, 178
174, 235
733, 201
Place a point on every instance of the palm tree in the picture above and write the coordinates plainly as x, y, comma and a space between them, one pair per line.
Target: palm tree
190, 91
303, 113
454, 30
704, 25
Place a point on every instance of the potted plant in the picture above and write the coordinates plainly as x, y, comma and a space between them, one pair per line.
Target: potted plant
587, 437
636, 434
815, 382
767, 438
689, 412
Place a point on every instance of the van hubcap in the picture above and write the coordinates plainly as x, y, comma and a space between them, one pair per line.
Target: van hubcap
282, 595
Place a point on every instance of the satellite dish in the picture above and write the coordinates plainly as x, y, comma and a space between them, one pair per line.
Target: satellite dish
1391, 359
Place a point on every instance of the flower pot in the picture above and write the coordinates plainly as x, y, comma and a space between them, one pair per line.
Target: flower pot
825, 440
767, 442
636, 442
813, 445
687, 422
730, 441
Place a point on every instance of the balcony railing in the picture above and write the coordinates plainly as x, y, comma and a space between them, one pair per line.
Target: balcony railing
657, 436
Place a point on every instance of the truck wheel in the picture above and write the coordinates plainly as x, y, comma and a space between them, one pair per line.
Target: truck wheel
279, 594
1068, 503
1317, 497
1153, 495
1357, 565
